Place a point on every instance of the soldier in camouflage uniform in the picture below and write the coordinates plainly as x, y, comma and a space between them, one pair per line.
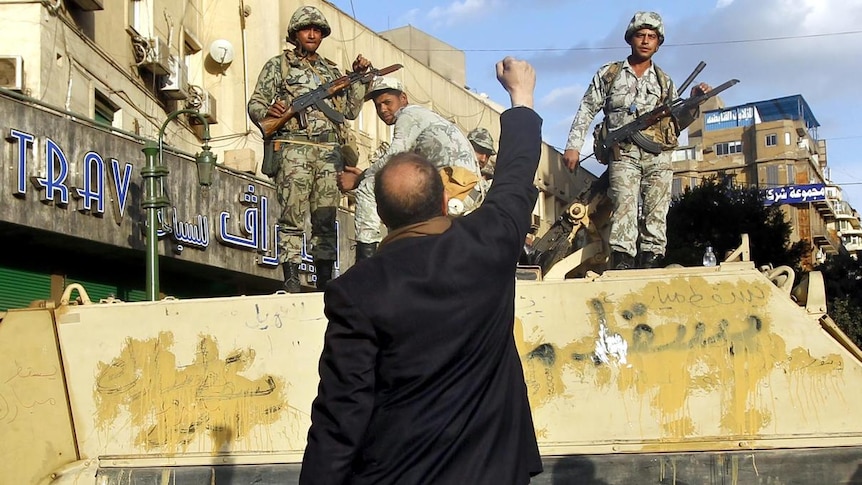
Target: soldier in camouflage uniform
483, 145
624, 90
416, 129
305, 160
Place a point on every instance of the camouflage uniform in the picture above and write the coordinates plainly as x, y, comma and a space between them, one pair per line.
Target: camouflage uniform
637, 172
419, 130
308, 158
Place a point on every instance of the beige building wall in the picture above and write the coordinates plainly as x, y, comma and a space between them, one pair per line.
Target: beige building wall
434, 53
83, 61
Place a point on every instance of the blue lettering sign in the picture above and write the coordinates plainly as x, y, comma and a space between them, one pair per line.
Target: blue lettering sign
88, 195
255, 232
794, 194
23, 139
55, 175
195, 234
122, 181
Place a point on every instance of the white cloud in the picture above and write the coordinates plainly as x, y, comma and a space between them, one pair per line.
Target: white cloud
723, 3
460, 11
410, 17
566, 95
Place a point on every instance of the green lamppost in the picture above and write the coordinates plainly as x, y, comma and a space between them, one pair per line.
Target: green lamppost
154, 173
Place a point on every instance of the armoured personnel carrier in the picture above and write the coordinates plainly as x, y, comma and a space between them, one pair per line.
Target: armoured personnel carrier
706, 375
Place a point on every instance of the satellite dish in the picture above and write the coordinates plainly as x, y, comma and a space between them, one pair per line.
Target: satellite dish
221, 51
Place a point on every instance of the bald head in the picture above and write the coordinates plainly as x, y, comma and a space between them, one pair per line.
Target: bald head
408, 190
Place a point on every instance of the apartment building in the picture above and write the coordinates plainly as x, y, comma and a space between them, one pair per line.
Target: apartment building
772, 145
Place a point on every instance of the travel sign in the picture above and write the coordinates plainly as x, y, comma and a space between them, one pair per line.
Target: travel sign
67, 177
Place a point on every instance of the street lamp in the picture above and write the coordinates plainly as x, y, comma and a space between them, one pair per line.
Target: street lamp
154, 173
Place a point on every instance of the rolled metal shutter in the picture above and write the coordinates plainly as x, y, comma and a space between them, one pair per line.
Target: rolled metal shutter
19, 288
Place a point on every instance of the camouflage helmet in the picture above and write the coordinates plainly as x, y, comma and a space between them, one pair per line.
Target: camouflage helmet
481, 138
383, 83
307, 17
645, 20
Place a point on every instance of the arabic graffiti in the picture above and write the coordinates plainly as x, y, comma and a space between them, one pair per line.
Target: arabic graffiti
275, 319
26, 388
669, 343
170, 404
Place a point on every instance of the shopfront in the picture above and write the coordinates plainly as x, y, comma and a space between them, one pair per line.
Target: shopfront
70, 211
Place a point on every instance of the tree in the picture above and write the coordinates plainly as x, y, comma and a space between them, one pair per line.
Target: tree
842, 276
716, 214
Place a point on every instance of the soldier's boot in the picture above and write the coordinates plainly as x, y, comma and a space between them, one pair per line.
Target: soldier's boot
649, 259
324, 272
620, 260
291, 277
365, 250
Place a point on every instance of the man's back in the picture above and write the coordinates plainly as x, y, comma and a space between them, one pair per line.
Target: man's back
449, 394
420, 378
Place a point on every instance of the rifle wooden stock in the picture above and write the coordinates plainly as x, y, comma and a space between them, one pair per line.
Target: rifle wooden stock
269, 125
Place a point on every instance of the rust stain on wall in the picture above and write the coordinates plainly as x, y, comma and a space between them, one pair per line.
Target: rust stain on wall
170, 404
675, 340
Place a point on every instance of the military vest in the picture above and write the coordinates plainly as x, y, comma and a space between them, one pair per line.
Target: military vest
666, 132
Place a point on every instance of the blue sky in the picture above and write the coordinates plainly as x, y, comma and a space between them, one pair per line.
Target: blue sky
774, 47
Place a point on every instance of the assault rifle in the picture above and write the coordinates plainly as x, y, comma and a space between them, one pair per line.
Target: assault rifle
676, 108
271, 124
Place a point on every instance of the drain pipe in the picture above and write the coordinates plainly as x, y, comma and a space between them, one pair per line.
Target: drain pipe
244, 11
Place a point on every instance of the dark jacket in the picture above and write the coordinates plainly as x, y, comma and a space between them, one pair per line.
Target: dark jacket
420, 381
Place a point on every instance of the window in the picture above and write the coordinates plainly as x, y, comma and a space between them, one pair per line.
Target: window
191, 42
134, 13
772, 176
787, 138
681, 154
140, 19
791, 174
692, 182
771, 140
676, 187
104, 110
728, 148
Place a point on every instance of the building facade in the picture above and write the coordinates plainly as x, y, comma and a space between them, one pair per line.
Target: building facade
773, 146
87, 83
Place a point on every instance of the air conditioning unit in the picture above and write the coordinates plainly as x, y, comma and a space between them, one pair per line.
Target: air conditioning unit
88, 4
12, 72
175, 84
206, 105
157, 57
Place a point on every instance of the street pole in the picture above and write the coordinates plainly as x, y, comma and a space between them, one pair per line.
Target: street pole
154, 174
